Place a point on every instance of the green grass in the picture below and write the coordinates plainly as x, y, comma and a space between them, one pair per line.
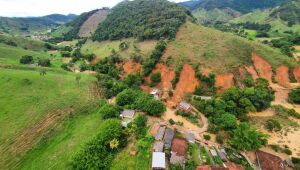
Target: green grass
125, 160
219, 51
26, 98
257, 16
251, 34
194, 153
56, 152
22, 42
205, 156
103, 49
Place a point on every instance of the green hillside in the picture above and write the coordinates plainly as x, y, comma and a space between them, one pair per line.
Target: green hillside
243, 6
141, 19
31, 99
22, 42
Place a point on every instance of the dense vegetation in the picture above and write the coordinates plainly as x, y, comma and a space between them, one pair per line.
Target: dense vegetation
99, 153
234, 104
294, 96
141, 19
288, 12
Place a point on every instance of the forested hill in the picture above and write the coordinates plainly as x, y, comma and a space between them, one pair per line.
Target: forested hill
242, 6
142, 19
289, 12
33, 24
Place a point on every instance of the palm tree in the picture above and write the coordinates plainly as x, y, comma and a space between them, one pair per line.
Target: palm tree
113, 144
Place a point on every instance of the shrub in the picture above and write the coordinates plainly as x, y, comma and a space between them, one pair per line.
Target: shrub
65, 54
219, 139
108, 111
155, 78
171, 121
287, 151
44, 62
294, 96
65, 67
273, 124
170, 93
26, 59
206, 137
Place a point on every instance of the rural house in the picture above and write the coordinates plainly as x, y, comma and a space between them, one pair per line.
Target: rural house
190, 137
158, 146
184, 106
178, 151
127, 114
160, 133
267, 161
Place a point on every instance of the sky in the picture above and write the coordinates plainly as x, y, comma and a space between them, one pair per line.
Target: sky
25, 8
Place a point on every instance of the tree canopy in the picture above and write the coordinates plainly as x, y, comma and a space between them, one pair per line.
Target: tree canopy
142, 19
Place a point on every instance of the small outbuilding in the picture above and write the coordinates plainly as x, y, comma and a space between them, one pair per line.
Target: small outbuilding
190, 137
158, 160
185, 106
127, 114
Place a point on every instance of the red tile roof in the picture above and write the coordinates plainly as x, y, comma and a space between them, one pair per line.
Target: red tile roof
269, 162
179, 145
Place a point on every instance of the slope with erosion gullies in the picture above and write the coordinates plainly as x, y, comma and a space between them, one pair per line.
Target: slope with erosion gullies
141, 19
229, 57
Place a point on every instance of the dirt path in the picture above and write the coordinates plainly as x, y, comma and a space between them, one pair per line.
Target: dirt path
187, 127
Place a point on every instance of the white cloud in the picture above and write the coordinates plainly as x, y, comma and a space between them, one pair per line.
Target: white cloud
21, 8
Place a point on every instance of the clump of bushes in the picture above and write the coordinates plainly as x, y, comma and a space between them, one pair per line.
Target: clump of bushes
155, 79
154, 58
26, 59
177, 76
273, 124
206, 137
294, 96
136, 99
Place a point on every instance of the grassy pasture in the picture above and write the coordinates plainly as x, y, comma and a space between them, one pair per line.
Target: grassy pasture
103, 49
33, 106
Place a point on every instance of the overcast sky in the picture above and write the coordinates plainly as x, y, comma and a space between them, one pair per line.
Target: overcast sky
22, 8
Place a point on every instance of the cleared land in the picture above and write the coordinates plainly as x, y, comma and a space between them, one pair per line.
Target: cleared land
103, 49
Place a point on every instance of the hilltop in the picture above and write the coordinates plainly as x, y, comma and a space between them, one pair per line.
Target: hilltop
141, 19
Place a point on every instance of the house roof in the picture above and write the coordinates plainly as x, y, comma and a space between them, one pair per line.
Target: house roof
213, 152
155, 91
179, 146
158, 146
233, 166
203, 167
268, 161
169, 135
158, 160
160, 133
128, 113
184, 105
176, 159
222, 155
190, 137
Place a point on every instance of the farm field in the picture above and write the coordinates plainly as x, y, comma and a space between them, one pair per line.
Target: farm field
32, 106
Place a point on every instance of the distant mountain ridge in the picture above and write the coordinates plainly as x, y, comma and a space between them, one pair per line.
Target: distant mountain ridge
27, 25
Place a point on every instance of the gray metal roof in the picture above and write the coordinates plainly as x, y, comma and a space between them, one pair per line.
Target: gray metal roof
190, 137
158, 146
128, 113
176, 159
184, 105
158, 160
160, 133
169, 135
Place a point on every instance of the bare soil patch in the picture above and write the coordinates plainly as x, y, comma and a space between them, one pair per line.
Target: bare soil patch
263, 68
205, 71
224, 82
131, 67
282, 76
167, 75
296, 72
252, 71
187, 83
